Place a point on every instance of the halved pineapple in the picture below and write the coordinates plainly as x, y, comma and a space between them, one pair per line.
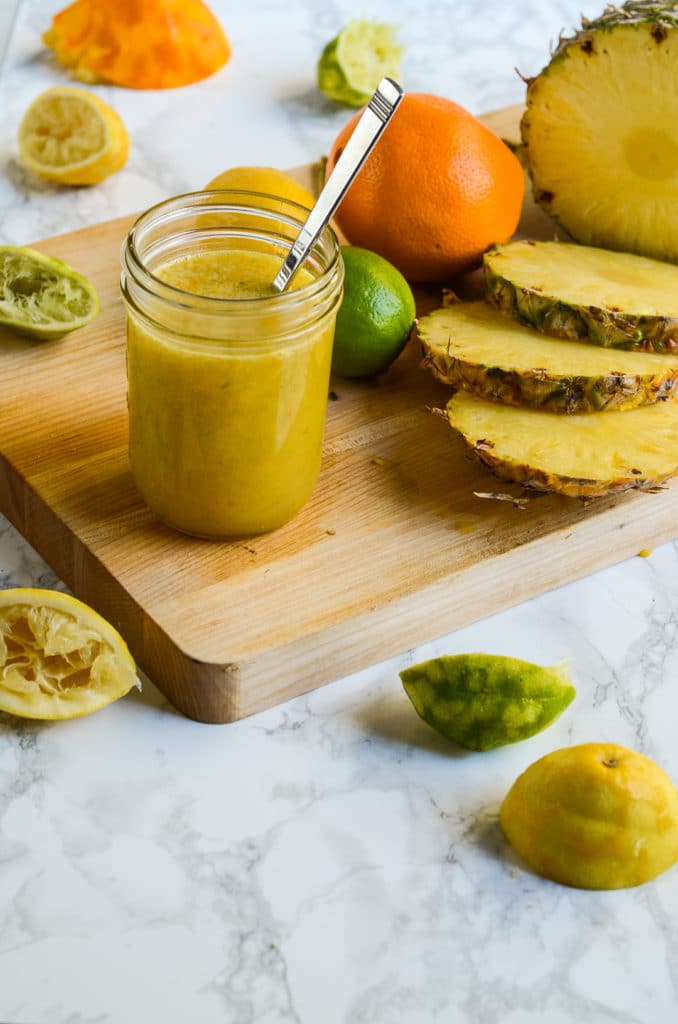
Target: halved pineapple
599, 131
612, 299
472, 345
586, 455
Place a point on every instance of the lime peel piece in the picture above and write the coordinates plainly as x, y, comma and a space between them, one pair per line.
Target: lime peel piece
41, 296
483, 701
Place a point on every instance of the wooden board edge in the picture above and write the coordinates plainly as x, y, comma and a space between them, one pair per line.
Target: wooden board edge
226, 691
202, 691
436, 611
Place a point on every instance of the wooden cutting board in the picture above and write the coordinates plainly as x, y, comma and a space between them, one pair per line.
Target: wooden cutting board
394, 548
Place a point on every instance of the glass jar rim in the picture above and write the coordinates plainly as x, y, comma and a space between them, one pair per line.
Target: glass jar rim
215, 201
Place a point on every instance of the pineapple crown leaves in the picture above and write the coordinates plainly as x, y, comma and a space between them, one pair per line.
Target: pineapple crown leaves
661, 16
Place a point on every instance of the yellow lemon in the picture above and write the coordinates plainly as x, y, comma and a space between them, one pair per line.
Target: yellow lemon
58, 657
268, 180
73, 137
594, 816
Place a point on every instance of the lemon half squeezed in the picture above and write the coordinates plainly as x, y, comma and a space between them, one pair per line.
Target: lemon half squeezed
73, 137
42, 296
355, 61
58, 657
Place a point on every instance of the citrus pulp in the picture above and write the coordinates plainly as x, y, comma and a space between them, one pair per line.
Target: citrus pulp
354, 62
73, 137
58, 657
42, 296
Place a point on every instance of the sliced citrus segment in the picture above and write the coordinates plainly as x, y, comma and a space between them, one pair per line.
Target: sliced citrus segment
58, 657
42, 296
71, 136
354, 62
483, 701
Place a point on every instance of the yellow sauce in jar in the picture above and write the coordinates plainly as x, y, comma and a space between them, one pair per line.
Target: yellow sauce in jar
225, 433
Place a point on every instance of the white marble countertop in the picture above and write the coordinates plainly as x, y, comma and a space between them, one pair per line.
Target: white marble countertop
329, 861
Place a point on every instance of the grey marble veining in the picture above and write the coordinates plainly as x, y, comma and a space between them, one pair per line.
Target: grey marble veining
331, 861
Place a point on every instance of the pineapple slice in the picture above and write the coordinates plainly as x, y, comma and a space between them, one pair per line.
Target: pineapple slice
599, 131
471, 345
613, 299
580, 456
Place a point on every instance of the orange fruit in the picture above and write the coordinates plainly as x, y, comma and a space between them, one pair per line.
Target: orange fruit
436, 192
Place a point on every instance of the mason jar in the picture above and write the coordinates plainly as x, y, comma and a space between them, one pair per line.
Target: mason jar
227, 380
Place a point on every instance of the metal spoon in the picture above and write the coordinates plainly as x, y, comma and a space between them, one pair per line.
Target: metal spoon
376, 116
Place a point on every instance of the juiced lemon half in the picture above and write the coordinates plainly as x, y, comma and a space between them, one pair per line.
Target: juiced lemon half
72, 136
58, 657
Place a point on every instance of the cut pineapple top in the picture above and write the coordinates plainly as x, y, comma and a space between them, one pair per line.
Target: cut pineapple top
599, 131
586, 276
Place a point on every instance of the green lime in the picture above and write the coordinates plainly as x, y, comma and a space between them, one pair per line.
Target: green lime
482, 701
354, 62
375, 317
42, 296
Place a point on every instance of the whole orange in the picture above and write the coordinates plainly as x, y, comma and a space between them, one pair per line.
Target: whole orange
437, 191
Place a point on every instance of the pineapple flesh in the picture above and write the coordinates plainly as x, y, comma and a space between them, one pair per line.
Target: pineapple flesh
611, 299
473, 346
600, 134
587, 455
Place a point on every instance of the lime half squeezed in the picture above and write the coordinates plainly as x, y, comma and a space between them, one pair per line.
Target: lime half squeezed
354, 62
42, 296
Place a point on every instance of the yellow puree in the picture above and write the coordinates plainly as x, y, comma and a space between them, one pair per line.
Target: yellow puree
225, 440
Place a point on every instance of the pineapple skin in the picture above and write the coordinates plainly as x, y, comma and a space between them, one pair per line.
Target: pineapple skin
599, 326
537, 479
659, 19
532, 478
546, 391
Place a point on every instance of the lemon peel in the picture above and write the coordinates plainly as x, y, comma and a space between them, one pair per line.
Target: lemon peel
593, 816
58, 657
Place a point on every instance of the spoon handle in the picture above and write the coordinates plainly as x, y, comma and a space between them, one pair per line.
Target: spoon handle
374, 119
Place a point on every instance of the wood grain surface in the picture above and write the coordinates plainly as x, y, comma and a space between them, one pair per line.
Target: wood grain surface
393, 549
